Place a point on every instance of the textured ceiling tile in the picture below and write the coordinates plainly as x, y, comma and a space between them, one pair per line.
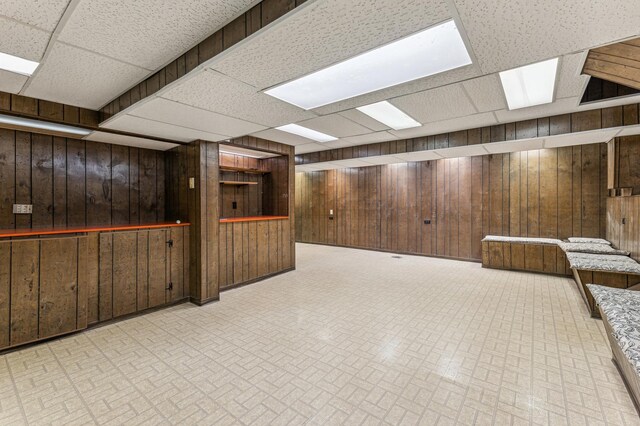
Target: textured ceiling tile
507, 34
364, 120
420, 85
11, 82
126, 140
194, 118
43, 14
451, 125
324, 32
571, 82
335, 125
486, 93
77, 77
143, 126
310, 147
560, 106
436, 104
22, 40
282, 137
215, 92
148, 33
370, 138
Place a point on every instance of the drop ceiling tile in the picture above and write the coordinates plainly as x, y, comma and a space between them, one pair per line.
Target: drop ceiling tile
11, 82
282, 137
77, 77
166, 111
486, 93
559, 106
370, 138
129, 141
22, 40
506, 34
310, 147
390, 93
630, 131
143, 126
419, 156
41, 14
515, 146
461, 151
571, 82
580, 138
436, 104
147, 33
335, 125
383, 159
364, 120
218, 93
451, 125
321, 33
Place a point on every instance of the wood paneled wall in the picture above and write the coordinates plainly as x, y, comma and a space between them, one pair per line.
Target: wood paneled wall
130, 271
275, 197
546, 193
78, 183
51, 111
623, 223
200, 207
43, 288
625, 164
249, 250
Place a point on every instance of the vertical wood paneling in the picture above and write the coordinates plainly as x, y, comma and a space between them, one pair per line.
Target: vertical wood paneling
25, 271
5, 292
530, 193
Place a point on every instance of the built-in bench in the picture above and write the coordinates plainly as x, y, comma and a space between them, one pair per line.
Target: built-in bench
614, 271
589, 260
524, 254
620, 311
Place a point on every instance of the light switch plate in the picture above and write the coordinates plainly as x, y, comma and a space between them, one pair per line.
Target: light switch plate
192, 183
22, 208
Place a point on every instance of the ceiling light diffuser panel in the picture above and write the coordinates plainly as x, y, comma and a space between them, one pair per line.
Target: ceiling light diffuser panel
428, 52
389, 115
530, 85
306, 133
17, 65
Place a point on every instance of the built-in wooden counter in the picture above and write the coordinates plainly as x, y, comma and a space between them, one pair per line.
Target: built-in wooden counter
17, 233
58, 281
251, 219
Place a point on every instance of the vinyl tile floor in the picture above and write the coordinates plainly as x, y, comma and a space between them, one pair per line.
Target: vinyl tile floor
351, 337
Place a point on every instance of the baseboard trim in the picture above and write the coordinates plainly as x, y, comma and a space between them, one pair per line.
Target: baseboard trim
255, 280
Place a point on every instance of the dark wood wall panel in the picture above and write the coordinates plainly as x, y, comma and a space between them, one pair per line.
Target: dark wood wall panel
554, 193
42, 288
623, 223
78, 183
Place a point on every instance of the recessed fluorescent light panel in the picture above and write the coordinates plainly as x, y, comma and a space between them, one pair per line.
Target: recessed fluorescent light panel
42, 125
306, 133
389, 115
530, 85
17, 65
431, 51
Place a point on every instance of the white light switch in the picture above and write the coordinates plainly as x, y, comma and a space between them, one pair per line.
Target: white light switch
192, 183
330, 211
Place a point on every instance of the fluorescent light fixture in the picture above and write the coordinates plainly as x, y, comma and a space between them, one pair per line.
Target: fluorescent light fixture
42, 125
17, 65
389, 115
530, 85
306, 133
428, 52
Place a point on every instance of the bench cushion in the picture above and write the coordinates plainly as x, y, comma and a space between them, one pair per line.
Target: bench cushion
604, 263
591, 248
521, 240
622, 309
588, 240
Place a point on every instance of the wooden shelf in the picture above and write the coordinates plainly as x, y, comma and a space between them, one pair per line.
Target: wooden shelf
242, 170
237, 183
251, 219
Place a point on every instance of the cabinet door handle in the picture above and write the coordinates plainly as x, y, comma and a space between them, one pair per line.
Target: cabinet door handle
170, 286
170, 242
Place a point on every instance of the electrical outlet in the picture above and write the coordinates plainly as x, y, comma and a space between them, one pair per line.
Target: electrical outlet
427, 221
23, 209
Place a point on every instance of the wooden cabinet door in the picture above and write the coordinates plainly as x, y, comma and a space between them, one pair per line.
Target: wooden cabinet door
158, 267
